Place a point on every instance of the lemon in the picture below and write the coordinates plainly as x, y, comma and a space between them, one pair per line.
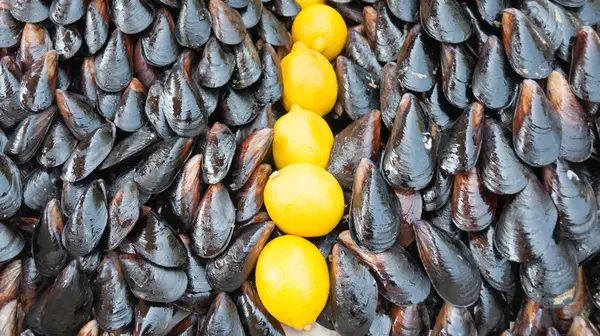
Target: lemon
301, 136
304, 200
292, 281
306, 3
322, 29
308, 80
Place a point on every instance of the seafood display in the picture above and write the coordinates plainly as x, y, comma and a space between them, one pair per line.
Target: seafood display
141, 191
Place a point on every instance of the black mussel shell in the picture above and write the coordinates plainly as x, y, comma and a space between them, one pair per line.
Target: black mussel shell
108, 102
30, 11
551, 279
528, 49
495, 269
158, 43
390, 94
494, 81
574, 198
142, 69
382, 324
449, 264
564, 315
247, 64
151, 319
96, 30
65, 307
460, 150
576, 138
84, 228
65, 12
213, 226
216, 65
158, 242
89, 154
38, 84
222, 318
238, 107
438, 109
437, 193
248, 156
89, 263
209, 98
32, 283
227, 271
569, 27
194, 268
63, 77
411, 206
272, 30
582, 326
157, 170
547, 17
411, 320
249, 199
123, 213
67, 41
87, 80
358, 89
35, 43
389, 34
255, 318
40, 186
480, 32
374, 210
130, 147
286, 8
71, 192
3, 141
417, 61
473, 207
264, 119
525, 226
180, 104
361, 139
227, 24
10, 82
399, 277
269, 87
588, 14
532, 319
501, 171
405, 10
408, 161
457, 69
252, 13
358, 50
130, 114
28, 136
183, 198
446, 21
11, 242
151, 282
193, 24
536, 126
10, 29
118, 181
584, 70
156, 115
78, 113
113, 302
131, 16
454, 320
112, 65
353, 292
195, 302
9, 315
10, 192
490, 313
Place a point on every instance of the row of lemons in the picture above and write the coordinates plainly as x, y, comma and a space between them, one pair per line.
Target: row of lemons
302, 197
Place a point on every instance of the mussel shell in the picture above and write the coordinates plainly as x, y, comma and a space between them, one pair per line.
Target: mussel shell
10, 82
112, 65
228, 26
533, 319
286, 8
269, 87
78, 114
218, 153
248, 156
155, 114
10, 28
353, 292
551, 279
71, 192
113, 302
238, 107
96, 30
130, 147
389, 34
216, 65
123, 214
10, 277
490, 313
417, 62
272, 30
153, 283
583, 73
587, 14
40, 186
193, 24
89, 154
158, 43
84, 228
546, 16
374, 210
592, 278
453, 320
449, 264
35, 43
10, 191
158, 242
151, 319
89, 263
183, 199
411, 320
358, 89
251, 14
27, 137
11, 242
255, 318
157, 170
119, 180
249, 199
390, 95
32, 284
129, 115
582, 326
494, 268
457, 69
445, 21
64, 12
437, 193
399, 277
473, 207
227, 271
194, 269
131, 16
248, 68
222, 318
460, 150
264, 119
38, 84
359, 51
30, 11
67, 41
9, 315
195, 302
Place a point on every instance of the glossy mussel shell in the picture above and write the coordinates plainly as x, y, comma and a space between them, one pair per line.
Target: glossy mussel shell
112, 65
49, 254
158, 242
272, 29
249, 200
460, 147
446, 21
184, 195
454, 320
473, 207
129, 115
250, 152
10, 86
585, 73
374, 210
131, 147
255, 318
10, 188
123, 214
399, 277
495, 269
389, 95
457, 66
582, 326
158, 43
151, 319
154, 114
193, 24
228, 26
10, 28
38, 84
30, 11
215, 66
417, 61
411, 320
131, 16
354, 294
449, 264
408, 161
27, 137
78, 114
218, 153
533, 319
389, 34
89, 154
490, 313
11, 242
358, 89
546, 16
222, 318
97, 21
247, 64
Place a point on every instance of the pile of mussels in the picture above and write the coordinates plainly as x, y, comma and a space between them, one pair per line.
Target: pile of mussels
135, 138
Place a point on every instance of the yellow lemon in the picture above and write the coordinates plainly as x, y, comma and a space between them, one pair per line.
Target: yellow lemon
292, 281
304, 200
322, 29
308, 80
301, 136
306, 3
